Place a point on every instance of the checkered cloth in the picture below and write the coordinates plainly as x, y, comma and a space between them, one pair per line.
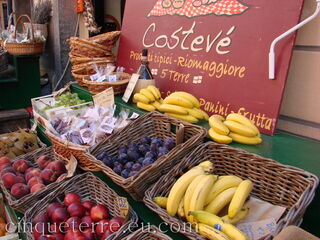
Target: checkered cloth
220, 7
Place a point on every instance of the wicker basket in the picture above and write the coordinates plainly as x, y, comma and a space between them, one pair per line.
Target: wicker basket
147, 233
275, 183
108, 39
24, 48
68, 149
89, 187
29, 200
118, 86
153, 124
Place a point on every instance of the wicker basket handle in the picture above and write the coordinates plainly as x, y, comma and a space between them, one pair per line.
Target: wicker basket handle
18, 21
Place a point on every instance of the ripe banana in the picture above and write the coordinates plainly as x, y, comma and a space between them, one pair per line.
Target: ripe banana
146, 107
218, 137
241, 215
156, 104
189, 192
240, 196
245, 140
240, 128
161, 201
179, 188
211, 233
179, 101
222, 184
212, 220
216, 123
187, 118
189, 97
205, 116
180, 211
138, 97
169, 108
243, 120
207, 166
200, 194
219, 202
193, 112
155, 91
146, 92
160, 101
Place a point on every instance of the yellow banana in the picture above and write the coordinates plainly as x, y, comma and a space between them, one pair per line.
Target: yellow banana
160, 101
245, 140
138, 97
156, 104
200, 194
161, 201
212, 220
147, 93
179, 188
189, 97
240, 128
218, 137
193, 112
240, 196
205, 115
217, 124
219, 202
155, 91
179, 101
189, 192
206, 165
146, 107
211, 233
180, 211
169, 108
187, 118
243, 120
222, 184
241, 215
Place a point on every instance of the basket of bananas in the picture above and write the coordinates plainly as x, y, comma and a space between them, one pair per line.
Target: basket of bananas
147, 233
208, 189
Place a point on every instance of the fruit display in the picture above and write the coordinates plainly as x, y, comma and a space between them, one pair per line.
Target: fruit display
73, 219
17, 143
148, 99
131, 158
212, 203
21, 179
235, 127
64, 100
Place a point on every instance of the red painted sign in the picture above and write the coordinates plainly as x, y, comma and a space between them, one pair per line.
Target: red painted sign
215, 49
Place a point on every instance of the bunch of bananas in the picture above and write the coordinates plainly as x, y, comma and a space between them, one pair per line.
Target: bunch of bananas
235, 127
199, 197
184, 106
148, 99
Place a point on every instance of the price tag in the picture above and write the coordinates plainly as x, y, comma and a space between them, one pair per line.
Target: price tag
131, 85
105, 98
123, 206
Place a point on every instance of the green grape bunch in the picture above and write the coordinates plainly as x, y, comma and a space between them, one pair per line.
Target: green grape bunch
66, 100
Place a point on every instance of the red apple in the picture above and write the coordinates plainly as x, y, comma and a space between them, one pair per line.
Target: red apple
48, 176
57, 167
59, 215
34, 180
41, 218
58, 236
38, 230
86, 222
4, 160
47, 237
20, 165
20, 179
55, 228
32, 172
99, 212
102, 226
88, 205
76, 210
71, 198
105, 235
9, 179
7, 170
19, 190
53, 206
73, 235
37, 187
61, 177
115, 224
89, 234
5, 165
43, 161
73, 224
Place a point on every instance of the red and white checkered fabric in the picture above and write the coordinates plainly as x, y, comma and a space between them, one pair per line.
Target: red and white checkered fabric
220, 7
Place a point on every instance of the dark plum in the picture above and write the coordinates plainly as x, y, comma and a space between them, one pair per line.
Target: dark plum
151, 155
117, 169
108, 161
132, 146
128, 165
125, 173
143, 149
123, 158
133, 155
157, 141
116, 163
114, 159
122, 149
102, 155
145, 140
132, 173
163, 151
140, 160
147, 161
136, 167
169, 143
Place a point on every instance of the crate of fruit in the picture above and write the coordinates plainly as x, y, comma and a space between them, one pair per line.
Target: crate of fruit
28, 178
83, 207
149, 232
144, 150
218, 199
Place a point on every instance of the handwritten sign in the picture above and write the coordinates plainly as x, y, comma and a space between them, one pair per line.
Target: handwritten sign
105, 98
215, 49
132, 83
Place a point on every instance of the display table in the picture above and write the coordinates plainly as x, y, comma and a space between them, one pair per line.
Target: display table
285, 148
